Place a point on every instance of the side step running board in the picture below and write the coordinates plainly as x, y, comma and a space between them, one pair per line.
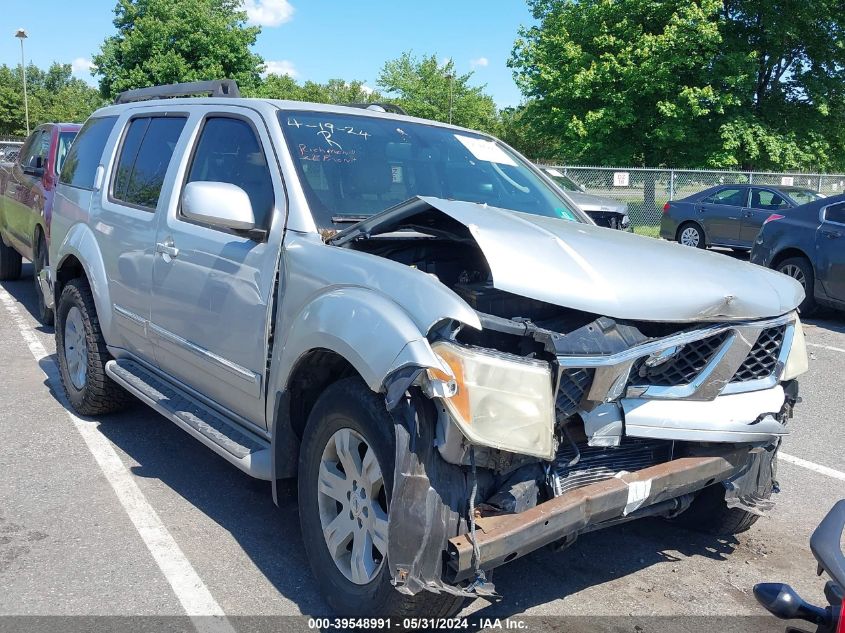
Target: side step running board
238, 446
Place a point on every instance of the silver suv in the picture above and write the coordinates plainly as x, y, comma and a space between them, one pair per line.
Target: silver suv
418, 324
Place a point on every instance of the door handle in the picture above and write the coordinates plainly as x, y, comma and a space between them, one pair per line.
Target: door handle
832, 235
167, 249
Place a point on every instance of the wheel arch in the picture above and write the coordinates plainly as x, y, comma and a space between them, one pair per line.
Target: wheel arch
684, 224
342, 333
788, 253
79, 256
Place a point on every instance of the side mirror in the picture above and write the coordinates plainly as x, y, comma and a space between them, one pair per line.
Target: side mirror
783, 602
219, 204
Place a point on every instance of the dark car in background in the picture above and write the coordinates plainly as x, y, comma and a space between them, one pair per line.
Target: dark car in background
603, 211
808, 244
728, 215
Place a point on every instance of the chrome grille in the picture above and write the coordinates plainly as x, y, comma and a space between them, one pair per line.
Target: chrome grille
598, 463
683, 368
763, 357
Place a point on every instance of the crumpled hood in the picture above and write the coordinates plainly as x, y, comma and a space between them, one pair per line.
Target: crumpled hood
605, 272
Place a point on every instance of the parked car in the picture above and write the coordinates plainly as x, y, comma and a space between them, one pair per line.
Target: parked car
602, 210
728, 215
27, 187
808, 244
471, 372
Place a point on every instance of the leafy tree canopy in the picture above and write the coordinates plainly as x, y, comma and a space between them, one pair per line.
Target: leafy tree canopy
425, 88
720, 83
336, 91
162, 41
54, 95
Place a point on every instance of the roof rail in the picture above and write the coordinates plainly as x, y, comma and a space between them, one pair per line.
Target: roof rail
378, 107
214, 88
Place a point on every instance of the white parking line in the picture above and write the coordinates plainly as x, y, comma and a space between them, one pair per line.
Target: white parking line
828, 347
824, 470
189, 588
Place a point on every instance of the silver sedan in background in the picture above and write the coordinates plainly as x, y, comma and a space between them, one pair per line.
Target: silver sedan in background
604, 211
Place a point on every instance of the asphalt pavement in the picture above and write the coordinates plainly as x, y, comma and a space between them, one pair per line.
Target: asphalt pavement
75, 542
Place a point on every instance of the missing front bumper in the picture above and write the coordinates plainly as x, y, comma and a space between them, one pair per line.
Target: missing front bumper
503, 538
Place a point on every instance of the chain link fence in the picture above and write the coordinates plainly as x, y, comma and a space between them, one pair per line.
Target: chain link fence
647, 190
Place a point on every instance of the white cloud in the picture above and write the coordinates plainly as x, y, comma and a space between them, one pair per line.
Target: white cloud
81, 66
479, 62
280, 67
268, 12
366, 89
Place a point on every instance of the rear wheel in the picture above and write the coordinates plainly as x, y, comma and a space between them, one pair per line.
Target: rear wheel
10, 263
691, 234
45, 314
801, 270
345, 482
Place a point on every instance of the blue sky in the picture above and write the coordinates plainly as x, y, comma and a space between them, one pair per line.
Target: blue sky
311, 39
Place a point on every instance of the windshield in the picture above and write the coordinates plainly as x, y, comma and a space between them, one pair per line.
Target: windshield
803, 196
352, 167
65, 139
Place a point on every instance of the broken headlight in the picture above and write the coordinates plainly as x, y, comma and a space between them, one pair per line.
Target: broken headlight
499, 400
796, 362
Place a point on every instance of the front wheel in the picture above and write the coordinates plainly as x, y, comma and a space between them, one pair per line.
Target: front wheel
709, 513
345, 482
82, 354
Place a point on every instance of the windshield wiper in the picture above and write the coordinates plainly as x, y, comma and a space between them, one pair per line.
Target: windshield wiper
349, 219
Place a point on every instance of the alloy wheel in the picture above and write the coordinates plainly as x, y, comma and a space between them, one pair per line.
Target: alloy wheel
353, 506
76, 348
690, 237
796, 273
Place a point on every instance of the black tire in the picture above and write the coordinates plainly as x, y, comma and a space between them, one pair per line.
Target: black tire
800, 269
10, 263
99, 394
350, 404
692, 226
44, 314
709, 513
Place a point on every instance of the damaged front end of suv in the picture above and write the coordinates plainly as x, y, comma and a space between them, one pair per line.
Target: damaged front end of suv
594, 392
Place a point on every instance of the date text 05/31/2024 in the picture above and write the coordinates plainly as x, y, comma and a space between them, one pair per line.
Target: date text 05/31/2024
416, 623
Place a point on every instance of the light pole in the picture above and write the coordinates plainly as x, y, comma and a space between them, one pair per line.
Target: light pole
21, 35
451, 77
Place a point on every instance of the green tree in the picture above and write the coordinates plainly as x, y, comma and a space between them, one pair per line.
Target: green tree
162, 42
334, 91
718, 83
425, 88
54, 95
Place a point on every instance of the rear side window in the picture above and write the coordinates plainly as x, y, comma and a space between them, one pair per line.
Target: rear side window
732, 197
65, 140
229, 151
85, 153
835, 213
767, 200
144, 157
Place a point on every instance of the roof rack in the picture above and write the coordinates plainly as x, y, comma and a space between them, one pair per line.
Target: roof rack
378, 107
214, 88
